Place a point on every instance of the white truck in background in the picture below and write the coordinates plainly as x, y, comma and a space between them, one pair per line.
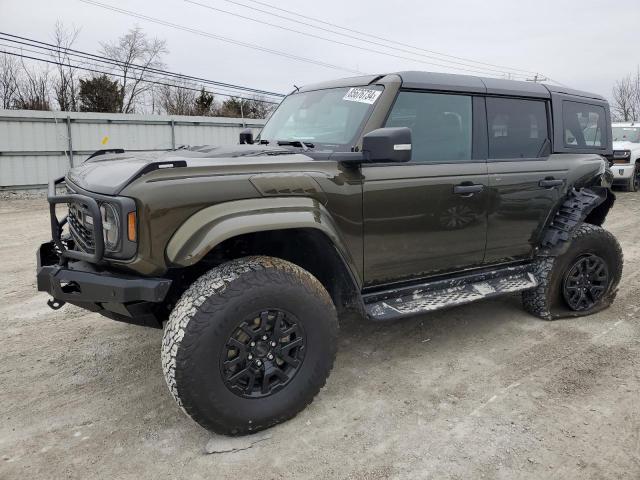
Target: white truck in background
626, 155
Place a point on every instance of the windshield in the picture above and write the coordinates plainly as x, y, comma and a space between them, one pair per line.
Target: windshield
626, 134
331, 118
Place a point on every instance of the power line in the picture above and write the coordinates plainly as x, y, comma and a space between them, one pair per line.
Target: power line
81, 54
98, 65
483, 71
219, 37
155, 77
53, 62
298, 15
91, 62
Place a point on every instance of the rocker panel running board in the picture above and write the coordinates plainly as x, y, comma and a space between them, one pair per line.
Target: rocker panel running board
427, 297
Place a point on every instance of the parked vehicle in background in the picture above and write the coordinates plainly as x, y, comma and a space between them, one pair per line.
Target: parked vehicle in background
389, 195
626, 155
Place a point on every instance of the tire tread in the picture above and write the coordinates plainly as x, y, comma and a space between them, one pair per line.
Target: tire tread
202, 300
537, 300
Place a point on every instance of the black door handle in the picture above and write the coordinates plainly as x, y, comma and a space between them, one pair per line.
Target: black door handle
467, 188
550, 183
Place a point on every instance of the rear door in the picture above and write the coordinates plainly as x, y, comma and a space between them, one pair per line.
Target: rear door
428, 215
524, 179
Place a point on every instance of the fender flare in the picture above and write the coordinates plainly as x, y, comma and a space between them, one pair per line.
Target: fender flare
212, 225
577, 206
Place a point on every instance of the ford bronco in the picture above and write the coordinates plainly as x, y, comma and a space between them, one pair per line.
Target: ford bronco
386, 195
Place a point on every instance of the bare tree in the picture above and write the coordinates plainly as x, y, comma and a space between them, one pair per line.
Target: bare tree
135, 54
635, 84
626, 97
623, 99
65, 85
9, 75
177, 100
33, 89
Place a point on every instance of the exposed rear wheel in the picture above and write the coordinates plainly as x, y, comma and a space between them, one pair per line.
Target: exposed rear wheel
585, 282
581, 281
249, 344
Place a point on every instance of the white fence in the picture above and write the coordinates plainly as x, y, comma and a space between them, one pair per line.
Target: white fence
36, 147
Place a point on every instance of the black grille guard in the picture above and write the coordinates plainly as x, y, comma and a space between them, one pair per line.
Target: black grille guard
57, 225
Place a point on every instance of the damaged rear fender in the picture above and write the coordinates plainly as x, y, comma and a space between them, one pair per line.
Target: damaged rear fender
589, 204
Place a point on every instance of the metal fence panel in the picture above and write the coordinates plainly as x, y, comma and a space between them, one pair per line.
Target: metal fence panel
36, 147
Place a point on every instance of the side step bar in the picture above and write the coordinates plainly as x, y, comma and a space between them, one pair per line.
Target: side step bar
427, 297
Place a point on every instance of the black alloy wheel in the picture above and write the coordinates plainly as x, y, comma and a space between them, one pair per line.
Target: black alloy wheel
585, 282
263, 354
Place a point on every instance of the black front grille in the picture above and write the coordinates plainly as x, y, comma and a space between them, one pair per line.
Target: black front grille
82, 235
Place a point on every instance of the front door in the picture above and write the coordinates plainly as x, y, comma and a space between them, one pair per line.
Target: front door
429, 215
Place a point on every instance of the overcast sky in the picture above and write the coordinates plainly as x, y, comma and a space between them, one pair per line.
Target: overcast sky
585, 44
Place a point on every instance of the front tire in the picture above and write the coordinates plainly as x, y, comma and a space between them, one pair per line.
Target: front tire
634, 181
249, 345
581, 281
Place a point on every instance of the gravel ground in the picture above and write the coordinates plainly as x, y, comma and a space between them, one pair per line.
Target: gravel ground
480, 391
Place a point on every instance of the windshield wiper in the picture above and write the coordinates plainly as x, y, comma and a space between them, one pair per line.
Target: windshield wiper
297, 143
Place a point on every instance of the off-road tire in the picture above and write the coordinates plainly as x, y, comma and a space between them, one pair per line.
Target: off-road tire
546, 300
632, 185
206, 314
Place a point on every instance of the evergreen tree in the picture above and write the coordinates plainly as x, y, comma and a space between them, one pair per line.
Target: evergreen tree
203, 104
100, 94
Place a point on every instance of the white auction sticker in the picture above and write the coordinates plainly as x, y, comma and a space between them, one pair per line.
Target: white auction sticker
362, 95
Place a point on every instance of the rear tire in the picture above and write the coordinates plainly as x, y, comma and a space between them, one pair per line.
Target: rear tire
581, 281
249, 345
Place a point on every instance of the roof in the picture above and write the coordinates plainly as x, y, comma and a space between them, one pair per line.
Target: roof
473, 84
468, 83
341, 83
451, 82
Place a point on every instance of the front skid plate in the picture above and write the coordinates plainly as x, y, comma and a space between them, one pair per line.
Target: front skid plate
422, 301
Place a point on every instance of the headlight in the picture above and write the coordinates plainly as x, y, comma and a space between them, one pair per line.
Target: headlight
110, 226
621, 154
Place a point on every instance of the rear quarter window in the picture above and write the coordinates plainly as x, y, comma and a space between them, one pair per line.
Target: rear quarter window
583, 125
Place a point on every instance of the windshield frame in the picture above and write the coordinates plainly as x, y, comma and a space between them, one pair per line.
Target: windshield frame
330, 146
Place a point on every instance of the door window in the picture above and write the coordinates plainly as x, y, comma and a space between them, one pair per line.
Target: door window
517, 128
440, 125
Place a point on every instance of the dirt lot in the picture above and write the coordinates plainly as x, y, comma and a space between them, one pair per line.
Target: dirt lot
481, 391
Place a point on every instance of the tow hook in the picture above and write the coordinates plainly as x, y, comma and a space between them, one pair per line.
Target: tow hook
55, 304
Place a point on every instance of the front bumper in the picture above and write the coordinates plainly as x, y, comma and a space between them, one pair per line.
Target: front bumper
622, 172
116, 295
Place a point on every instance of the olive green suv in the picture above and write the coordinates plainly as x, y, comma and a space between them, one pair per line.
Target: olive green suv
387, 195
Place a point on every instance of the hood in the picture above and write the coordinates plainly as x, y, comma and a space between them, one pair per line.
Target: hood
108, 174
625, 146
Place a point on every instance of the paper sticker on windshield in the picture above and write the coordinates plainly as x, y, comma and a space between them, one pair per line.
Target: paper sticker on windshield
362, 95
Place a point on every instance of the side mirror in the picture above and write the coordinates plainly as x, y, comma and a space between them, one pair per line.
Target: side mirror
246, 136
387, 145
